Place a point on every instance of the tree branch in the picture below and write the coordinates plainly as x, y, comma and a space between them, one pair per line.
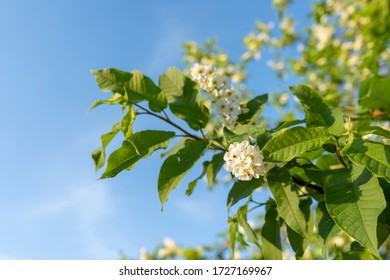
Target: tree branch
302, 183
186, 133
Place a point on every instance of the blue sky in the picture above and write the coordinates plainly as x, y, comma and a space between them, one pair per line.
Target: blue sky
52, 205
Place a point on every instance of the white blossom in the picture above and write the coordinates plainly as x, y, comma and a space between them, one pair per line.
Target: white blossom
143, 254
169, 247
244, 161
323, 33
287, 25
206, 77
225, 100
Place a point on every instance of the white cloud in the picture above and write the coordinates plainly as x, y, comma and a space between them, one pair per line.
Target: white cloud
89, 205
88, 202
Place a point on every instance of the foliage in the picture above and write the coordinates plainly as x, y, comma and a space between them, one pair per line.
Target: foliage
328, 174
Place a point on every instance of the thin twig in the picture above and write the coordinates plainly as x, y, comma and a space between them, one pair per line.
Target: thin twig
187, 134
167, 120
257, 206
201, 131
165, 114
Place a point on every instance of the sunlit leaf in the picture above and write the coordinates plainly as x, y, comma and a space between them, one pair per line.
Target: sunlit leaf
177, 165
141, 87
243, 189
374, 156
326, 227
295, 141
299, 243
115, 99
127, 122
99, 154
184, 98
242, 220
214, 167
375, 93
138, 146
354, 200
255, 107
355, 255
111, 79
270, 233
318, 113
287, 200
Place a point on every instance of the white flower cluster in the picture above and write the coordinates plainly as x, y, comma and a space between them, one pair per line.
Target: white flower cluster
207, 78
255, 41
169, 248
226, 99
245, 161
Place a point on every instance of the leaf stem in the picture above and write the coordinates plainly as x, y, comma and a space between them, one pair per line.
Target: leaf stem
165, 114
338, 153
257, 206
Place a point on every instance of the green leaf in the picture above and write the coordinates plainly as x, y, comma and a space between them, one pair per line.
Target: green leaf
270, 233
354, 200
318, 113
375, 93
111, 79
120, 159
99, 154
241, 133
328, 162
176, 166
280, 185
178, 146
242, 189
138, 146
287, 124
231, 137
383, 226
242, 220
375, 130
374, 156
255, 107
106, 138
295, 141
307, 171
193, 183
115, 99
214, 167
262, 139
127, 122
233, 229
299, 243
140, 88
326, 227
184, 98
134, 86
355, 255
149, 141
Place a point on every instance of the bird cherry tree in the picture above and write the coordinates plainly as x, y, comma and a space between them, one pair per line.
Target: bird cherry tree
328, 172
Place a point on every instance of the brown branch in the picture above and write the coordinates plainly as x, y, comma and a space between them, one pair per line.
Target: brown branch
302, 183
186, 133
